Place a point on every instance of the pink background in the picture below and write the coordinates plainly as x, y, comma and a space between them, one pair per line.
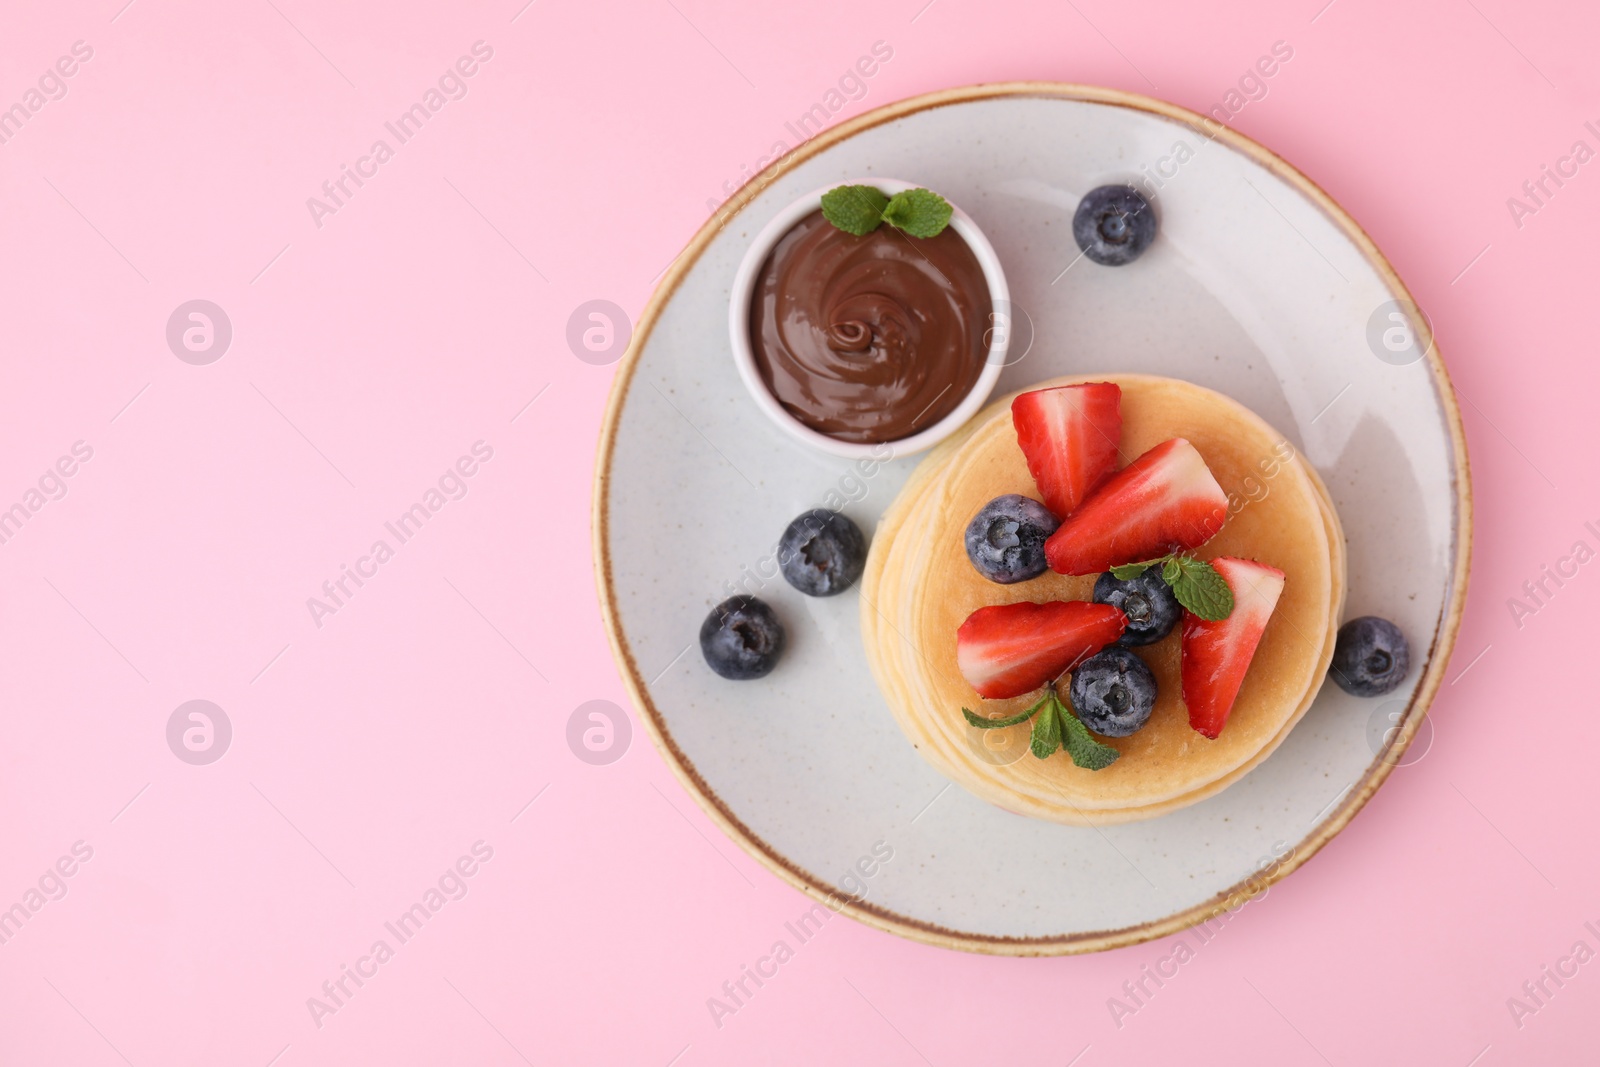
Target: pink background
368, 354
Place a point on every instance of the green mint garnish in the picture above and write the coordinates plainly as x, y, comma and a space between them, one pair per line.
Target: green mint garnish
1046, 736
918, 212
1085, 751
1054, 727
1202, 590
856, 209
1195, 583
860, 209
983, 723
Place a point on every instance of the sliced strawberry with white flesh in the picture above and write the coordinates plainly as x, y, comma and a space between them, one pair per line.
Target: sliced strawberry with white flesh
1069, 436
1217, 654
1010, 649
1165, 501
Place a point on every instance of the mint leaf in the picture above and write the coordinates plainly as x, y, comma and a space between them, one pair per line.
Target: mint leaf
1085, 751
984, 723
919, 212
1046, 737
1055, 727
1202, 590
856, 209
1195, 583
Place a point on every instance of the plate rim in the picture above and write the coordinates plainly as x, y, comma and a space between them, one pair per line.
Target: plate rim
1354, 798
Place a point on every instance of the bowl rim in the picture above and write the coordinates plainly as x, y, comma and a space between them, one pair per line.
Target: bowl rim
744, 281
1338, 814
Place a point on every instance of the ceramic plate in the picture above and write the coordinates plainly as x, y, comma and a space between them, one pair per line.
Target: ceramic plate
1258, 286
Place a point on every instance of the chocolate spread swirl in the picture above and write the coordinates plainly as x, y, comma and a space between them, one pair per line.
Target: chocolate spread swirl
873, 338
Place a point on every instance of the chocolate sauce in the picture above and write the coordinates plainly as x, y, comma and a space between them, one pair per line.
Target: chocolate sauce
871, 338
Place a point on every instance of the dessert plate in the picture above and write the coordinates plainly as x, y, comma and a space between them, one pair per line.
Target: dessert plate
1259, 286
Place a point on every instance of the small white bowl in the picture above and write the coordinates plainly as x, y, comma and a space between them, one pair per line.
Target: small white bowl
744, 280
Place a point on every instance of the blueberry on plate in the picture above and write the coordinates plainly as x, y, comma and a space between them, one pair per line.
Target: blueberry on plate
1370, 657
1114, 224
822, 553
1147, 601
741, 638
1005, 539
1113, 692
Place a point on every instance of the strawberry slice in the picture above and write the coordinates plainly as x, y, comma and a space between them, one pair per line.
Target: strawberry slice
1010, 649
1217, 654
1069, 435
1164, 501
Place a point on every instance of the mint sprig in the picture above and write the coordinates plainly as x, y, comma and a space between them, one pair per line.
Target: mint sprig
1195, 583
1046, 736
860, 209
918, 212
983, 723
1054, 727
1081, 746
856, 209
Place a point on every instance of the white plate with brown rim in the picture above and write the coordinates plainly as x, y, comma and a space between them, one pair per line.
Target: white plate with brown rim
1258, 285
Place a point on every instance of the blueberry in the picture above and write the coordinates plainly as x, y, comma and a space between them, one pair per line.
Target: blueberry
1005, 539
1371, 657
1147, 601
1114, 224
822, 553
741, 638
1113, 692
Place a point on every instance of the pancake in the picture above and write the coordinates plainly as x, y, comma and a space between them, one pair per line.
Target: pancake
980, 746
951, 757
919, 587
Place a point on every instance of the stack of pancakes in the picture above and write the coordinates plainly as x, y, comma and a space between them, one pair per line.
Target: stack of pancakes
919, 587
